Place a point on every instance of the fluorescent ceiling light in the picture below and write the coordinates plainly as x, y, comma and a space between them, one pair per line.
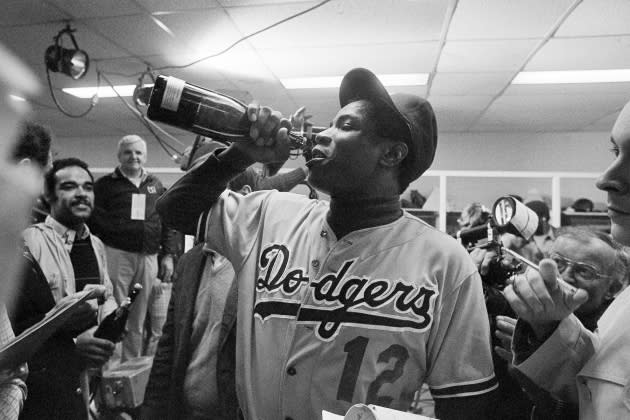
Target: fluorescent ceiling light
17, 98
575, 76
408, 79
103, 91
163, 26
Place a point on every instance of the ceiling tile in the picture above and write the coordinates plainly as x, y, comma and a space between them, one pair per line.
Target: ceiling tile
469, 83
161, 6
138, 33
239, 3
32, 41
202, 32
457, 113
597, 18
337, 60
484, 56
323, 104
548, 112
505, 19
345, 22
97, 8
582, 54
29, 12
241, 63
569, 89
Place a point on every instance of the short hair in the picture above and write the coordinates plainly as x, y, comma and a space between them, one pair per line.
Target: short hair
33, 143
57, 165
248, 177
476, 213
582, 205
130, 139
619, 270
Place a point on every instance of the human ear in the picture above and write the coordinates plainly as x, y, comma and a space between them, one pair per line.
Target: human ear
394, 154
613, 289
245, 190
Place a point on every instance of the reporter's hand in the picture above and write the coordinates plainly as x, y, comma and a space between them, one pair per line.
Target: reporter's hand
94, 351
542, 299
504, 332
166, 268
483, 258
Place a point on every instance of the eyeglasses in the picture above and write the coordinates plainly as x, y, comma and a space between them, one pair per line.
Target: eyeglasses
581, 271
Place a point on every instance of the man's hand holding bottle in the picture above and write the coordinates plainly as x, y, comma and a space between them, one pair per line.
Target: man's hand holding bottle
94, 351
269, 138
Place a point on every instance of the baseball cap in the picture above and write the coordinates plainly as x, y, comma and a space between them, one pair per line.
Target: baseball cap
408, 116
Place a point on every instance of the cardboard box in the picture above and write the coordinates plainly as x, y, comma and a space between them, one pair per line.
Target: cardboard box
124, 385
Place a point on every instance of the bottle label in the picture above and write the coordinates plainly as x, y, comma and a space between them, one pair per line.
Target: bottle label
172, 93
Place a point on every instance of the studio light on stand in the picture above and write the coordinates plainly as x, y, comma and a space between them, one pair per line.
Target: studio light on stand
73, 62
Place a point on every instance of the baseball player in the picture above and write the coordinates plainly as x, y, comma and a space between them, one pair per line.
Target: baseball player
352, 301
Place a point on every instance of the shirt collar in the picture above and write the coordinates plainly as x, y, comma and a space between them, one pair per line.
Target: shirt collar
119, 173
68, 235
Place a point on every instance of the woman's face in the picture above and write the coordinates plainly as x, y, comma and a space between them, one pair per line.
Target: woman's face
616, 179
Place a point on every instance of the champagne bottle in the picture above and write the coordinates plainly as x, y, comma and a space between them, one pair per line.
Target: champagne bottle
112, 327
205, 112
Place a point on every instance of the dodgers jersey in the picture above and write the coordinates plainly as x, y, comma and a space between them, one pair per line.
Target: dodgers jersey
325, 323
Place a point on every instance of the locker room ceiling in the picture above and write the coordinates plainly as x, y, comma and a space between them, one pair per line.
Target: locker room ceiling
472, 49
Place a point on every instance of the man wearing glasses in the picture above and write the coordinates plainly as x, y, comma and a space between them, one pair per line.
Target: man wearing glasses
588, 260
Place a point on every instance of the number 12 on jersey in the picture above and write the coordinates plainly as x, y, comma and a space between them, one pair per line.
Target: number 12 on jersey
355, 349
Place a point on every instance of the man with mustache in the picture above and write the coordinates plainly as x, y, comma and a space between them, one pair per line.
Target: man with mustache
71, 259
352, 301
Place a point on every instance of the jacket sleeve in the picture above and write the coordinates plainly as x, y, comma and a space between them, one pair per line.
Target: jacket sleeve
156, 396
554, 364
168, 241
180, 206
12, 386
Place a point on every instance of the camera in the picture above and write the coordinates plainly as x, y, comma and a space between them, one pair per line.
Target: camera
508, 215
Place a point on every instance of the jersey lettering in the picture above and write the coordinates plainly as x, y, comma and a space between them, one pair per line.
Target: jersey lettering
353, 299
400, 354
356, 352
273, 261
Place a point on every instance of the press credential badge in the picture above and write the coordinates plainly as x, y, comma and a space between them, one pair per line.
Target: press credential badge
138, 206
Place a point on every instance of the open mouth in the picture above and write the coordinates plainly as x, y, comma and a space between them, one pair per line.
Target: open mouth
317, 157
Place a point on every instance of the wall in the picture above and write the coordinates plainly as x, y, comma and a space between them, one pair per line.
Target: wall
567, 152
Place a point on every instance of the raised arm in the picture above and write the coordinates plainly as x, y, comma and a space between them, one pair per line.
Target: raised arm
180, 206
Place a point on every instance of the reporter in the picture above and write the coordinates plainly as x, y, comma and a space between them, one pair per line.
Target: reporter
552, 348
